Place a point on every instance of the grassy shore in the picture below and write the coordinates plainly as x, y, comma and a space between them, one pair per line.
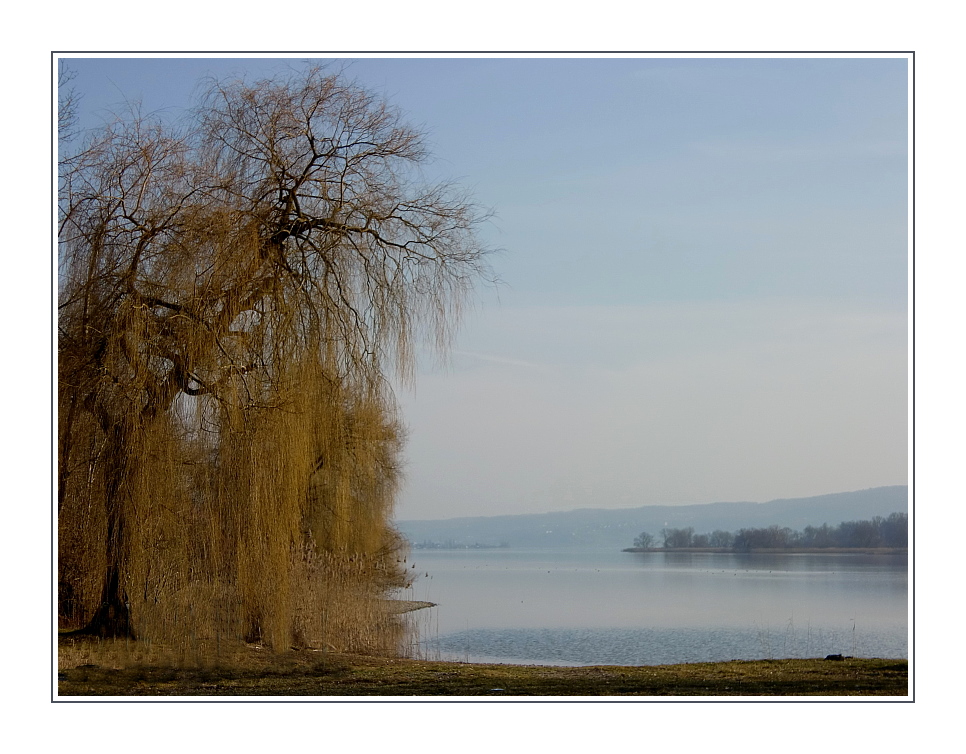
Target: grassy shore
118, 669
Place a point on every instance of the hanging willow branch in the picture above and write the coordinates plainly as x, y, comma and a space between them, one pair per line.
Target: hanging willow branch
232, 298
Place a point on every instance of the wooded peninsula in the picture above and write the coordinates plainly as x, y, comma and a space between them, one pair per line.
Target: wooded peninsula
878, 535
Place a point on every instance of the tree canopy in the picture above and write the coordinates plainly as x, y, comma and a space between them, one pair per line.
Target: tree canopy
233, 294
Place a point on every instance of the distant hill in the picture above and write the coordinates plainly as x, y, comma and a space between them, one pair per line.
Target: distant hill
619, 527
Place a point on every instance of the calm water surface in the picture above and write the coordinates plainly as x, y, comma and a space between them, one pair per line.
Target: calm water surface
588, 607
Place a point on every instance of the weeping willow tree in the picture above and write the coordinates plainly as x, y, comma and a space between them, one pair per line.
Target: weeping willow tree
232, 298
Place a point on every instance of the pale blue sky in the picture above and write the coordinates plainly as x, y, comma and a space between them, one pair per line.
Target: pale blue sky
705, 264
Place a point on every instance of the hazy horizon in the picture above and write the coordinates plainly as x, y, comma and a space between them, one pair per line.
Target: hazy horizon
705, 264
647, 505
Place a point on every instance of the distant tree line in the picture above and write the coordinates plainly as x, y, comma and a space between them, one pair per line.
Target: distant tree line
891, 531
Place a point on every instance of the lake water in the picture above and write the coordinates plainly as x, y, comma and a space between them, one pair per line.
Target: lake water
591, 607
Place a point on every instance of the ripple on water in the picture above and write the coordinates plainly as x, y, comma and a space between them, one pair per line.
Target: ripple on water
658, 646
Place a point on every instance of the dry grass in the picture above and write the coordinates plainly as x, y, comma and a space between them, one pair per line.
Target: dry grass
92, 668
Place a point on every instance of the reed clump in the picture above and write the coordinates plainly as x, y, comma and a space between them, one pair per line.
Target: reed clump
233, 296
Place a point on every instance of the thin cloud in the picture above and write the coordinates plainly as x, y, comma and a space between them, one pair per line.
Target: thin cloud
497, 359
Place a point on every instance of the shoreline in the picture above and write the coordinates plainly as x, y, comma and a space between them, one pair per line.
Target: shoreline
779, 550
325, 674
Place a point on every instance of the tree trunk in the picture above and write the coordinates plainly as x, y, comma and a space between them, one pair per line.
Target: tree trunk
112, 619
